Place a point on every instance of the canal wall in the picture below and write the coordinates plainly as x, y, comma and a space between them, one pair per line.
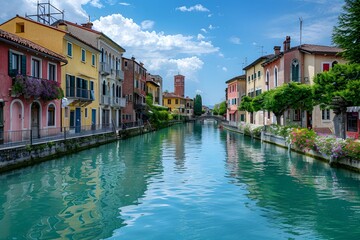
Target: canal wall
22, 156
345, 163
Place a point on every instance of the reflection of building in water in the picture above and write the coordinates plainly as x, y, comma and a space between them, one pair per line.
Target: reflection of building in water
232, 157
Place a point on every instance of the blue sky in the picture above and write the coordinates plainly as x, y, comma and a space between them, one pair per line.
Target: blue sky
209, 42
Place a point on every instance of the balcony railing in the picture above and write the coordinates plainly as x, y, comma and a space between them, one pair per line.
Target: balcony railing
80, 93
104, 68
119, 75
105, 100
119, 102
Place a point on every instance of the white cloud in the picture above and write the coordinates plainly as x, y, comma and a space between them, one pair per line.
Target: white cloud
124, 4
198, 91
210, 15
211, 27
96, 3
203, 30
200, 37
147, 24
158, 51
235, 40
196, 8
224, 69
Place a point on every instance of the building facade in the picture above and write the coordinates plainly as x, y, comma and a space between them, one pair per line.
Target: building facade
30, 92
236, 89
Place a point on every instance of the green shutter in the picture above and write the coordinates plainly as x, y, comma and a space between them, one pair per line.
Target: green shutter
23, 65
10, 65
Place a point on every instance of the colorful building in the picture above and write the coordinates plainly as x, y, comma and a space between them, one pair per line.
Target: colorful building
236, 89
79, 76
30, 90
134, 90
255, 85
111, 76
153, 88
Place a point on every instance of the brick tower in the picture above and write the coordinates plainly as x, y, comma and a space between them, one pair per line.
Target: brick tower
179, 85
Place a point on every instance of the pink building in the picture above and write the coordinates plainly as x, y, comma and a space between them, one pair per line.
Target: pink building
236, 89
30, 90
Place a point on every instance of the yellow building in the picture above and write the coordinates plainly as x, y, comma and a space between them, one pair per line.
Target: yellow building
175, 103
153, 88
255, 85
79, 77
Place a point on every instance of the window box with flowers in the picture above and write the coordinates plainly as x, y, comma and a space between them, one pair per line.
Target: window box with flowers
37, 88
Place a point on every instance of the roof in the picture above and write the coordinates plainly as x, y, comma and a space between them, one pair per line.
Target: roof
90, 30
241, 77
171, 95
319, 49
14, 39
258, 61
272, 59
153, 82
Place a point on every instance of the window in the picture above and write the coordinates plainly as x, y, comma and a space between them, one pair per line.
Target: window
295, 70
325, 67
69, 49
258, 74
296, 116
93, 59
267, 80
275, 77
176, 101
17, 64
51, 115
52, 72
66, 112
325, 114
70, 86
35, 68
169, 101
20, 27
83, 55
248, 78
86, 112
352, 118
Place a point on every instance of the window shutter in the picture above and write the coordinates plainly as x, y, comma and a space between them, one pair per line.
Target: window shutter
23, 65
11, 73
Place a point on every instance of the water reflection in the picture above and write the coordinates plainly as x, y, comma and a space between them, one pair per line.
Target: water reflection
190, 181
306, 197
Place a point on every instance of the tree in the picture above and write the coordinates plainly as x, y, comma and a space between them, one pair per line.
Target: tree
338, 88
222, 108
347, 34
246, 104
198, 105
292, 95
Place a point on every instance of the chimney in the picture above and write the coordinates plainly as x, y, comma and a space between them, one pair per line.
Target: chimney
62, 25
87, 25
277, 50
287, 43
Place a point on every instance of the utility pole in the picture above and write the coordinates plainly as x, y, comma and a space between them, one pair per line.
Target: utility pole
301, 21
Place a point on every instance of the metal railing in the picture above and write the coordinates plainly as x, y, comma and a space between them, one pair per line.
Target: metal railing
33, 136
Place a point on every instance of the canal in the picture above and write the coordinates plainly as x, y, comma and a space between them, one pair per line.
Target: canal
192, 181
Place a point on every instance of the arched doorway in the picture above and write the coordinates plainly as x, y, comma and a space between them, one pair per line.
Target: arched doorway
35, 119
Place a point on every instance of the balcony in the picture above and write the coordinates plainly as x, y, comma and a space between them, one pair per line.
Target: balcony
78, 95
105, 100
139, 106
118, 102
119, 75
104, 69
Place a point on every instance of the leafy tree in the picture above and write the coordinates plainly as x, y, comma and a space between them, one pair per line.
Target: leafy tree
292, 95
197, 105
338, 89
216, 109
347, 34
222, 108
246, 104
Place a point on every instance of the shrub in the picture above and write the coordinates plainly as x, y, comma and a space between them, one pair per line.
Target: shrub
303, 138
352, 149
330, 146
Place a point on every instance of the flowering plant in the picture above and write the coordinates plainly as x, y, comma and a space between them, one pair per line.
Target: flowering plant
352, 149
303, 138
37, 88
330, 146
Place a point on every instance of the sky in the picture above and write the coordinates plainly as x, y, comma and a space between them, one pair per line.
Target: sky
207, 41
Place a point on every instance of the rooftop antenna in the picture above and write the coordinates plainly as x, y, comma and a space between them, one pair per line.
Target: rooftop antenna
301, 21
244, 63
46, 13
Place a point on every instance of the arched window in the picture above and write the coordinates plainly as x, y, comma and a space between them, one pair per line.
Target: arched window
113, 90
51, 115
267, 80
104, 88
295, 71
334, 63
275, 77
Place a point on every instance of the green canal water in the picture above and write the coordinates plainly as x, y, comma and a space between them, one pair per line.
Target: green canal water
186, 182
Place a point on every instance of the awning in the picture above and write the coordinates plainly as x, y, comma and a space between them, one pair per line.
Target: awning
353, 109
232, 111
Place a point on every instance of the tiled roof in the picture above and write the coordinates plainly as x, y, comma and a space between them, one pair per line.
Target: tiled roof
319, 49
171, 95
12, 38
258, 60
241, 77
